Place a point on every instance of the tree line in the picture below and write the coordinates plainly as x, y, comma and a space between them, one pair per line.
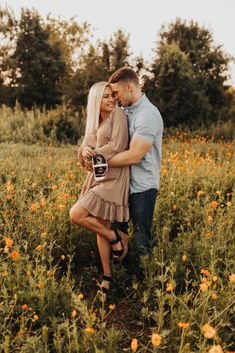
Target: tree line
48, 62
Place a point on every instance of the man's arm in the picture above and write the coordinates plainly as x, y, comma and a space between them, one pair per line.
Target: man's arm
138, 149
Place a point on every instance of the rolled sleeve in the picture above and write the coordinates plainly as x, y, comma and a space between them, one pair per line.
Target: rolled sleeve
146, 127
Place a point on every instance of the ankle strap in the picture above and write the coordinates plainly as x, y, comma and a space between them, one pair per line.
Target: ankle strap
118, 238
107, 278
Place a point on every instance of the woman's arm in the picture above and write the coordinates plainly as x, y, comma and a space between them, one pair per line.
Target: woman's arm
89, 140
119, 136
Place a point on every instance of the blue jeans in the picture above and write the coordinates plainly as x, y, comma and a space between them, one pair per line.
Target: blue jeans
141, 210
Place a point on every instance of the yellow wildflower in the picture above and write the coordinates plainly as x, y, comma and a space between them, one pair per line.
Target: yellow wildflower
8, 241
183, 324
204, 271
15, 255
184, 258
203, 287
156, 339
43, 203
214, 204
169, 287
35, 207
215, 349
89, 330
232, 278
208, 331
10, 186
209, 218
74, 313
214, 296
134, 344
24, 307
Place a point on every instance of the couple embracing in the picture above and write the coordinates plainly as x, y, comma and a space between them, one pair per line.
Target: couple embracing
130, 140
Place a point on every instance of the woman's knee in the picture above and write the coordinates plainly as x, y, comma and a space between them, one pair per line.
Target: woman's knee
74, 215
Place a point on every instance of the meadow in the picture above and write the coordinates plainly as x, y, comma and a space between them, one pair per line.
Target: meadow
50, 269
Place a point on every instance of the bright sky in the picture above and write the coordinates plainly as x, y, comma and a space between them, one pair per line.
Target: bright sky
142, 19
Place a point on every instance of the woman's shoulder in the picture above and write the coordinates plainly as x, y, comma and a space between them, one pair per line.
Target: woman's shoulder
118, 112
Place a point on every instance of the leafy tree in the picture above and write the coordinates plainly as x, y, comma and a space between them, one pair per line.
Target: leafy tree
91, 70
38, 57
8, 34
40, 65
119, 50
97, 65
187, 77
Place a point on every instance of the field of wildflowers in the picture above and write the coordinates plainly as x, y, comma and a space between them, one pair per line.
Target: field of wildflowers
50, 270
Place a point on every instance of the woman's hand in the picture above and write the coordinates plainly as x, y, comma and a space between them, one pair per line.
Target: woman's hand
88, 166
88, 152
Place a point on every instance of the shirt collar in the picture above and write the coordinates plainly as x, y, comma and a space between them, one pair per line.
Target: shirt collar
130, 109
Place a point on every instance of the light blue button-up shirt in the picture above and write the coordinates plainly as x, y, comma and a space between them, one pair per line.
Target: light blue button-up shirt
145, 122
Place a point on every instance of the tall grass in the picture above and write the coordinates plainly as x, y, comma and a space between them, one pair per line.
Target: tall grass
34, 126
50, 269
62, 125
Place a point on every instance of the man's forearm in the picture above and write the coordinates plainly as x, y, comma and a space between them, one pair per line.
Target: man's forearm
123, 159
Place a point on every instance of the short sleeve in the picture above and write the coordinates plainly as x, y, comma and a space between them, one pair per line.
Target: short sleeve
146, 126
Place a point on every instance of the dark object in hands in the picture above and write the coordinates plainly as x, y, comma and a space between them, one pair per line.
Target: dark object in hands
100, 166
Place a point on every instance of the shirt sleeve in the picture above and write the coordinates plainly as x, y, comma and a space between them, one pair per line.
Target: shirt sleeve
119, 137
146, 126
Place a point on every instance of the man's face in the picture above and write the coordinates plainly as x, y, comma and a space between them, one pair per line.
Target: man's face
122, 92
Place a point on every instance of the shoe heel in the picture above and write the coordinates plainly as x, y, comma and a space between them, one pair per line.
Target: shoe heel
125, 240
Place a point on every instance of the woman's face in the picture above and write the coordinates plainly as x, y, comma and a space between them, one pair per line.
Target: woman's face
108, 101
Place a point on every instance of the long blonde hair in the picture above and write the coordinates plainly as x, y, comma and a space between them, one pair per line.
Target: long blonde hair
93, 107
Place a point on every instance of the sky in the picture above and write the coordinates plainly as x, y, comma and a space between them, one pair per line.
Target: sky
142, 20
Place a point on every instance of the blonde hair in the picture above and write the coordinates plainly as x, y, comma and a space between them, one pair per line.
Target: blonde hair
93, 107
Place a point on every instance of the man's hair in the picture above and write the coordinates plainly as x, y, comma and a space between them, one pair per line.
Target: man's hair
124, 74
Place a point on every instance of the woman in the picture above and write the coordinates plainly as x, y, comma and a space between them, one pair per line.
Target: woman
102, 202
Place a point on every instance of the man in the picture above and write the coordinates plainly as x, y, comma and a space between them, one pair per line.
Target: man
144, 153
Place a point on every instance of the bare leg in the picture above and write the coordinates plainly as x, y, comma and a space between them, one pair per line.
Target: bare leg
104, 251
81, 217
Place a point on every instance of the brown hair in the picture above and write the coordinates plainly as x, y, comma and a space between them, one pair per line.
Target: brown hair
124, 74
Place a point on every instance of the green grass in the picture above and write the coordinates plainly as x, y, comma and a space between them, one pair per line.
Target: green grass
49, 275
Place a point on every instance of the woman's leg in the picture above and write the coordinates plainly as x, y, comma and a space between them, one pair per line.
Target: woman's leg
82, 217
105, 251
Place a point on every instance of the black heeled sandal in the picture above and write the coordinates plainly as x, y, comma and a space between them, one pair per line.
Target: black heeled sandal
103, 289
118, 255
